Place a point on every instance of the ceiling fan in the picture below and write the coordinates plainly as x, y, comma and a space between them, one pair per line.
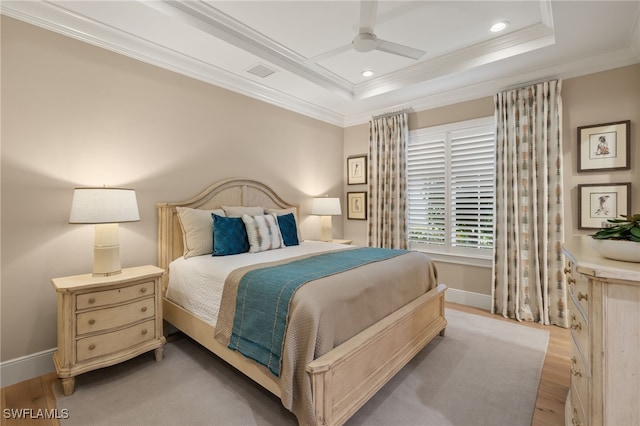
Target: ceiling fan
366, 40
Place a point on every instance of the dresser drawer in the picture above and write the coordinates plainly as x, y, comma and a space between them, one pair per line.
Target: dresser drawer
579, 328
110, 297
578, 413
117, 316
581, 292
115, 341
579, 378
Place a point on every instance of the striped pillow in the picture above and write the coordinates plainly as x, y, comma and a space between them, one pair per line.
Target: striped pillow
263, 232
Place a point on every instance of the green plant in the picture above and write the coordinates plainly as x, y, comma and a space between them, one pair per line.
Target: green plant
623, 229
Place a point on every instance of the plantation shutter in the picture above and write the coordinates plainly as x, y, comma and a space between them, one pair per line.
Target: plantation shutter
426, 185
450, 185
472, 185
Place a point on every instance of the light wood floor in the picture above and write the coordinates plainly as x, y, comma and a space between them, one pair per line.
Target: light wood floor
37, 394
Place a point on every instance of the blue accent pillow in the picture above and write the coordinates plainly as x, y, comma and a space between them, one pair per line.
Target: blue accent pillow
229, 236
288, 229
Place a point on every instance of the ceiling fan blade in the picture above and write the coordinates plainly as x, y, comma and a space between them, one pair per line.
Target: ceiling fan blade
330, 53
368, 11
399, 49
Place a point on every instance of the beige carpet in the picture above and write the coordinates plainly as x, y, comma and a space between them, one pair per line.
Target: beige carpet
483, 372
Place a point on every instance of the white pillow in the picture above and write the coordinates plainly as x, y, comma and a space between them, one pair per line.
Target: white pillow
238, 211
281, 212
197, 230
263, 232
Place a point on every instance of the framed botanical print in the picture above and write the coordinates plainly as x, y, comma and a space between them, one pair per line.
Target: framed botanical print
604, 147
599, 202
357, 205
357, 170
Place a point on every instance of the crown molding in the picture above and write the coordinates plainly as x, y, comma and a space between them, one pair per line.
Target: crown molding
55, 18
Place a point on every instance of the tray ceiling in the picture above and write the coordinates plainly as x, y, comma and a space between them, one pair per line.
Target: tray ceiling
299, 54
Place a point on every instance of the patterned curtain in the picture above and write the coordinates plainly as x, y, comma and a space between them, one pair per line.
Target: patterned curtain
528, 283
388, 181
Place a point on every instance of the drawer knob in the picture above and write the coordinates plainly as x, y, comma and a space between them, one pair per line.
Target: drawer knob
582, 296
143, 290
92, 300
566, 270
92, 321
574, 370
144, 309
575, 325
92, 347
571, 280
144, 331
574, 421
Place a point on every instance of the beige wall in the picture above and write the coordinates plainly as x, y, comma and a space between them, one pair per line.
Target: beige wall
77, 115
597, 98
594, 99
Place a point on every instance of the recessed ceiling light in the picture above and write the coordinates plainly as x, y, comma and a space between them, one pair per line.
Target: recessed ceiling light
499, 26
367, 73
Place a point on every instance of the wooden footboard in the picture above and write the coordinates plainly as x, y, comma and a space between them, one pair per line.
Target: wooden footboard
344, 379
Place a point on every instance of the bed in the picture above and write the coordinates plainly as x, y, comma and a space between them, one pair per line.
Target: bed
339, 381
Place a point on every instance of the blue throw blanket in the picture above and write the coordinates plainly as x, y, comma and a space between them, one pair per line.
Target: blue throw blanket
262, 301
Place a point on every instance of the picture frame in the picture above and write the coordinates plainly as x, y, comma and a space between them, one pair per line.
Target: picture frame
357, 205
357, 169
604, 146
598, 202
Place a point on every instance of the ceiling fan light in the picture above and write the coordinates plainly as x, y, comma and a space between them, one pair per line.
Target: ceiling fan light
499, 26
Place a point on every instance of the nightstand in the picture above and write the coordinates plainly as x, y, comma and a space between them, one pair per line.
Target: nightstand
106, 320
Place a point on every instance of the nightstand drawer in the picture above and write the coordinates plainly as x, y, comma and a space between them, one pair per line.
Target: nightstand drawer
104, 344
117, 316
109, 297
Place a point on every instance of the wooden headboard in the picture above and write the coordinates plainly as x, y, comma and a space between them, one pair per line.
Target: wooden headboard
230, 192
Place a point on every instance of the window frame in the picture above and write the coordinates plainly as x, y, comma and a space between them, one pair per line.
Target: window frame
447, 253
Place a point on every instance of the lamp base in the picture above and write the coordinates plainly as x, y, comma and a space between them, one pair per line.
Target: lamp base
326, 233
106, 250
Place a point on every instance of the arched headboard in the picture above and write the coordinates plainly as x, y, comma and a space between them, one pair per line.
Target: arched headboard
230, 192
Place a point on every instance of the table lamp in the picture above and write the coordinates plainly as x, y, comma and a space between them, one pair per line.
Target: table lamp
105, 208
326, 207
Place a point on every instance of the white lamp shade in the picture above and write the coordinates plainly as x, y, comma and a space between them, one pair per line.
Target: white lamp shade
325, 206
104, 205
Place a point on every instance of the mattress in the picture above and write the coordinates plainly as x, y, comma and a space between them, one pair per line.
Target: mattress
196, 283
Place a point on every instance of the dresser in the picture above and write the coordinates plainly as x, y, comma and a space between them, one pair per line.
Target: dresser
604, 316
106, 320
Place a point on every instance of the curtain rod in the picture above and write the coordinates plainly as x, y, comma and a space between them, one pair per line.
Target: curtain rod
390, 113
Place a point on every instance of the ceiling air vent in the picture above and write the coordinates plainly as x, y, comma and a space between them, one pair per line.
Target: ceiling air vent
261, 71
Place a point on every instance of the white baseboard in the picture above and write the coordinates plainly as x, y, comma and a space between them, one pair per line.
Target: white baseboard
27, 367
477, 300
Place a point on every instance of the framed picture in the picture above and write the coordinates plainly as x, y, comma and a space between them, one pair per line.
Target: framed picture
599, 202
357, 205
604, 146
357, 170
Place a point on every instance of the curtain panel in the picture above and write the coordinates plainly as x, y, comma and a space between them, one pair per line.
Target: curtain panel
528, 279
387, 208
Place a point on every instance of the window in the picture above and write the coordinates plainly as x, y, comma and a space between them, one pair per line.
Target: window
450, 172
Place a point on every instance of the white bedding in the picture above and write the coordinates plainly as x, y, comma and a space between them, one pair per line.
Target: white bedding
196, 283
